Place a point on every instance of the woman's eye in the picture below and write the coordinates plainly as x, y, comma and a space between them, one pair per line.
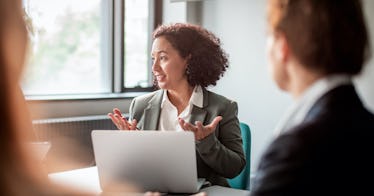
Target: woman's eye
162, 57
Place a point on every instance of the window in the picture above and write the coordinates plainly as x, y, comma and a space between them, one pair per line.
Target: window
136, 51
73, 46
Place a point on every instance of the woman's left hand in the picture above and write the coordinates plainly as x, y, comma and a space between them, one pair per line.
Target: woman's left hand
159, 194
199, 130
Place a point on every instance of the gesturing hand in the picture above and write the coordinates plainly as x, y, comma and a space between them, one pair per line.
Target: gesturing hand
159, 194
121, 122
199, 130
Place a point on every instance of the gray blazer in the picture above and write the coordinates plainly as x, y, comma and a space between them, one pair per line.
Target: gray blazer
220, 155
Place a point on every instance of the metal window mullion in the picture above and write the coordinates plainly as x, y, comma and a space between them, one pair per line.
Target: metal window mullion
151, 26
118, 45
107, 44
154, 19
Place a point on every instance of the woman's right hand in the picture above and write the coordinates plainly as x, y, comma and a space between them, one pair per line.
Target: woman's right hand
121, 122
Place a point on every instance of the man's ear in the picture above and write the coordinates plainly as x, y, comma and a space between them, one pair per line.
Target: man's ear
282, 52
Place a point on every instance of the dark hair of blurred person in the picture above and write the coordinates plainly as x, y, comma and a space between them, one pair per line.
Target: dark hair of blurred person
325, 36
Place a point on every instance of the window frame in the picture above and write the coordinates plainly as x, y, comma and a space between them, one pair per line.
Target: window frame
114, 50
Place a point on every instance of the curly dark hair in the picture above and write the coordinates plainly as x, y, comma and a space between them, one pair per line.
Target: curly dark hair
206, 60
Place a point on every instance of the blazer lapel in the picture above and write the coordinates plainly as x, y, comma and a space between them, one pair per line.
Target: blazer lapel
152, 112
197, 113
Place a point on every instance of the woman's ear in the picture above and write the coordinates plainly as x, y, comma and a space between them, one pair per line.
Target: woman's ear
187, 59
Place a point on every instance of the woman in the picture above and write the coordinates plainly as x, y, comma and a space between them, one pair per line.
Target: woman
187, 59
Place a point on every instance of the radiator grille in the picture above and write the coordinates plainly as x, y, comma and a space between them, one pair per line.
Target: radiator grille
71, 140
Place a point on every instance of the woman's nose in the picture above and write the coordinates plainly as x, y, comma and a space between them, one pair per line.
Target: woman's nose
155, 65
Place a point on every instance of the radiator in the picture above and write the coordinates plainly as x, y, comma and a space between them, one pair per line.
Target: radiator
70, 138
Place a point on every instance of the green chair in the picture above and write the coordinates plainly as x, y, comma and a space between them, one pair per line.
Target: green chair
242, 180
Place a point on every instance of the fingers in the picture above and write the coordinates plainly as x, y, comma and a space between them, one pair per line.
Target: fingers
152, 194
215, 122
199, 129
117, 111
187, 126
120, 121
182, 123
201, 194
115, 120
133, 124
111, 116
116, 116
199, 125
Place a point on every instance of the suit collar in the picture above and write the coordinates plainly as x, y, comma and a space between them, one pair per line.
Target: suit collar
343, 95
152, 112
197, 97
199, 113
300, 109
205, 97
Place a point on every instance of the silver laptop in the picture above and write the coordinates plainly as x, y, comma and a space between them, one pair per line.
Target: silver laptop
163, 161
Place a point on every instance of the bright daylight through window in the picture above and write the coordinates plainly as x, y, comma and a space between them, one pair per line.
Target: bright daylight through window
137, 38
71, 42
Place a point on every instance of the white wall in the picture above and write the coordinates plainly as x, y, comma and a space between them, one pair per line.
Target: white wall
366, 80
241, 26
174, 12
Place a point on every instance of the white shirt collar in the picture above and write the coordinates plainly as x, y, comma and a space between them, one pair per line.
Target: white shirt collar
298, 111
197, 97
169, 114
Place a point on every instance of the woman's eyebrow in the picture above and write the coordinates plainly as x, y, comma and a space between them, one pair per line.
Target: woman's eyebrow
159, 52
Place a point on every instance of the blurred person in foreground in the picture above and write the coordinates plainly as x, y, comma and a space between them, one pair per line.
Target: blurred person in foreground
186, 59
21, 171
325, 143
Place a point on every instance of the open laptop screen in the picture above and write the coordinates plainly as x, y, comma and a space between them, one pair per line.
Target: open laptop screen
163, 161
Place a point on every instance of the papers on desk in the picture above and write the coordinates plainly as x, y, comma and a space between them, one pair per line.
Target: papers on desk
85, 179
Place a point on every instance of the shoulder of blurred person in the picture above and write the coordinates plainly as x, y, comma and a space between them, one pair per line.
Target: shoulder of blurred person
315, 156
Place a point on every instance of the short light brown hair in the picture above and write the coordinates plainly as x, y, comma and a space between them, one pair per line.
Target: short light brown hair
328, 36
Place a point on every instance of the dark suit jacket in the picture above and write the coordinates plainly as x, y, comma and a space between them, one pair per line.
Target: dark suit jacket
219, 155
330, 153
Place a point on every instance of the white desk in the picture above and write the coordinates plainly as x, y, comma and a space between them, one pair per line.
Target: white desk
87, 179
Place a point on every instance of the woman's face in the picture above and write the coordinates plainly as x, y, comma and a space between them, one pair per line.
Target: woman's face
168, 67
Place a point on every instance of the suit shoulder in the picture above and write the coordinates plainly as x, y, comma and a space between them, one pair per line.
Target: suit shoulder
219, 98
146, 97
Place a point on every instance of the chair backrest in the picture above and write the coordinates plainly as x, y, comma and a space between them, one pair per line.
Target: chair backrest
242, 180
